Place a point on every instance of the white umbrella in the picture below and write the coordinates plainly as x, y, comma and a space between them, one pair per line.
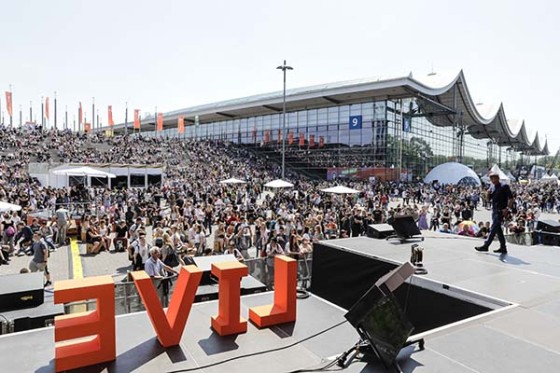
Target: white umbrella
84, 171
278, 183
232, 180
340, 189
5, 206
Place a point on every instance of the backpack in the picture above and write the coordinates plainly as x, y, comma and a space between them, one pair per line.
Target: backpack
10, 231
171, 258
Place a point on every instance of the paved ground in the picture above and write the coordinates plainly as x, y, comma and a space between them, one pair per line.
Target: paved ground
117, 264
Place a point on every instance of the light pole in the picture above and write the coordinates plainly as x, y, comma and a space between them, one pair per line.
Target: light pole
284, 67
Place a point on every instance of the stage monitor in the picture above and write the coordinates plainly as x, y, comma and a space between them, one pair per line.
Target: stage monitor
379, 319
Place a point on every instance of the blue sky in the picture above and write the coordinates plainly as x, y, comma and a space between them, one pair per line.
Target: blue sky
175, 54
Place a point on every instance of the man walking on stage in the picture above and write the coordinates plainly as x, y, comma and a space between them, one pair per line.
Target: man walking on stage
502, 200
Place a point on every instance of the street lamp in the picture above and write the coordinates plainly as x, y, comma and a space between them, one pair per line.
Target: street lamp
284, 67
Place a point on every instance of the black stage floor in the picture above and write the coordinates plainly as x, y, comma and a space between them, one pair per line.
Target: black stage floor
523, 337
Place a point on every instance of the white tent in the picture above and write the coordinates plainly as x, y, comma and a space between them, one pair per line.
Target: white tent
451, 173
278, 183
503, 177
84, 171
232, 180
340, 189
5, 206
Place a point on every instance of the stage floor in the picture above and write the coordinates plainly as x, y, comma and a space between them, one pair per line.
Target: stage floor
519, 339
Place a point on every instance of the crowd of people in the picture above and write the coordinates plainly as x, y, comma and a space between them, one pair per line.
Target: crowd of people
191, 205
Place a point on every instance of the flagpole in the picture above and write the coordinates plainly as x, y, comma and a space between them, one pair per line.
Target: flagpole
42, 115
66, 117
12, 96
126, 119
20, 116
31, 111
92, 128
55, 126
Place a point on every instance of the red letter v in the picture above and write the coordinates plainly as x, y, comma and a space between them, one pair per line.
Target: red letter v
169, 326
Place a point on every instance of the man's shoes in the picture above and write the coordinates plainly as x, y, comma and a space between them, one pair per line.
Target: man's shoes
48, 283
501, 250
481, 248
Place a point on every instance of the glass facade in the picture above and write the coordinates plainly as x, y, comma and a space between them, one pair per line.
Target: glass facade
389, 139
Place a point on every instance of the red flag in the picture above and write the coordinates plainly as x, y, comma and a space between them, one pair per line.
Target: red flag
254, 135
181, 124
311, 141
321, 141
9, 102
266, 137
279, 136
160, 122
47, 108
80, 114
301, 139
291, 137
136, 119
87, 127
110, 116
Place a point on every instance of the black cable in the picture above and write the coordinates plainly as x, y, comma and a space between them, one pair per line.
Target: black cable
260, 352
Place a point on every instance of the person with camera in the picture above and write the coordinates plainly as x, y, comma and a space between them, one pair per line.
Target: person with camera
501, 199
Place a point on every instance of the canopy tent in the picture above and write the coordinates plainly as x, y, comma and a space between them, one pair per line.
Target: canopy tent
84, 171
340, 189
503, 177
452, 173
5, 206
510, 176
232, 180
278, 183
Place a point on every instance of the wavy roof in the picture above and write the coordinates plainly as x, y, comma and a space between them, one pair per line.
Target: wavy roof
449, 90
482, 120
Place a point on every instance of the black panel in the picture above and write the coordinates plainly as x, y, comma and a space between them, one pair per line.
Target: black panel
343, 277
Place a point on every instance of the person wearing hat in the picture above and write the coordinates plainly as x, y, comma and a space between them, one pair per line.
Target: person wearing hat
501, 198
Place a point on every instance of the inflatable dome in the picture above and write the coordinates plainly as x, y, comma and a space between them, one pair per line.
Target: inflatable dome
452, 173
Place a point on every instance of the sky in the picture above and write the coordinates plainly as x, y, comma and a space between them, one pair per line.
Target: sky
177, 54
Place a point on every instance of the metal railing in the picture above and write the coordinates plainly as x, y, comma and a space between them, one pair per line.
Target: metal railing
128, 300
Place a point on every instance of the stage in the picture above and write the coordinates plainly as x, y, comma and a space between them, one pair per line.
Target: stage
519, 335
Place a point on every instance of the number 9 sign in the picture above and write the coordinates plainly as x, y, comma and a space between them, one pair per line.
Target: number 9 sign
355, 122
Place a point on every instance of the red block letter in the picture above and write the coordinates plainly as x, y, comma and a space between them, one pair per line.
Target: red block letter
285, 285
99, 325
169, 326
228, 320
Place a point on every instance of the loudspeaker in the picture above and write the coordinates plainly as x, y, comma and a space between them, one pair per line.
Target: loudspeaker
23, 290
379, 231
548, 226
204, 263
405, 226
378, 317
549, 238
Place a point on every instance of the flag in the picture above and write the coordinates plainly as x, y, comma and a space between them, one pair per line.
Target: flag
279, 136
290, 137
110, 116
406, 127
80, 114
266, 137
47, 108
311, 141
87, 127
160, 122
355, 122
181, 124
9, 102
321, 141
254, 135
136, 119
301, 139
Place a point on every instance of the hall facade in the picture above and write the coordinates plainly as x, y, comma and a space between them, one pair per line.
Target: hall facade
391, 128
